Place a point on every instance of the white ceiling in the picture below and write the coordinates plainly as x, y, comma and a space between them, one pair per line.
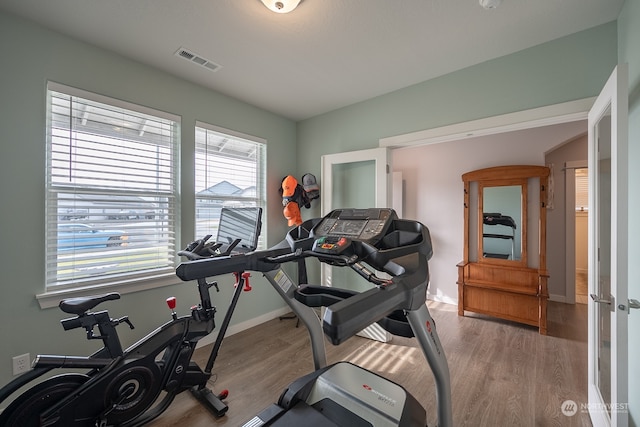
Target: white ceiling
324, 55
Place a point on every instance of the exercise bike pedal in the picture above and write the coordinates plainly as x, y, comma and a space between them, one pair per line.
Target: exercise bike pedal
210, 400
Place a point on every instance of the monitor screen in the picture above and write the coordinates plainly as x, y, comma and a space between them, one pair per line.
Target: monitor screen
240, 223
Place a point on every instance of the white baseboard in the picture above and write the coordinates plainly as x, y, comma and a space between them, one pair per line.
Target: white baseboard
441, 298
242, 326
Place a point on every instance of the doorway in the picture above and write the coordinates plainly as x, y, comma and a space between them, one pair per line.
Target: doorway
582, 230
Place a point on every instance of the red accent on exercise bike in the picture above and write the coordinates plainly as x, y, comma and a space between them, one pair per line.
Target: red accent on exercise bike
223, 394
171, 302
245, 276
247, 286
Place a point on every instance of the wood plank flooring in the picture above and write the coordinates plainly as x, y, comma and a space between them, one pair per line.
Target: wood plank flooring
502, 373
582, 288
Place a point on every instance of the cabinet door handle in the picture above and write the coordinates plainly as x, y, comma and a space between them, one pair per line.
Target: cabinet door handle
634, 303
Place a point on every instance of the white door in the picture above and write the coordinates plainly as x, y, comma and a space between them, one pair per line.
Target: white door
608, 229
356, 179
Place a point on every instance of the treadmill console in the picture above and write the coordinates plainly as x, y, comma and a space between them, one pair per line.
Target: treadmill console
363, 225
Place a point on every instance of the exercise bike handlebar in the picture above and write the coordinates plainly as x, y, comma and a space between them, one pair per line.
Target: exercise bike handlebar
264, 261
215, 266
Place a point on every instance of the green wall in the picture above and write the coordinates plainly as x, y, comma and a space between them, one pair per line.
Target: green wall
31, 56
566, 69
629, 52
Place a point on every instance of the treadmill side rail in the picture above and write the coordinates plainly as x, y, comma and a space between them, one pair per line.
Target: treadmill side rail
424, 328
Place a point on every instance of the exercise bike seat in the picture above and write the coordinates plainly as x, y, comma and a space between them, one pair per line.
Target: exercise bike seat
81, 305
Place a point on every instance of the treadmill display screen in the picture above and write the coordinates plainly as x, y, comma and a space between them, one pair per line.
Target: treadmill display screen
348, 227
365, 225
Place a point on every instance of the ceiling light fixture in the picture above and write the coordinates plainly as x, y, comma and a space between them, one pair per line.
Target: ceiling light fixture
281, 6
490, 4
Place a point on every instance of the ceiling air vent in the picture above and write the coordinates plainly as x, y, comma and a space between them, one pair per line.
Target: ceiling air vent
197, 59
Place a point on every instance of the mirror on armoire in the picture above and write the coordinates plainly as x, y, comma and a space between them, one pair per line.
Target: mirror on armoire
504, 228
501, 217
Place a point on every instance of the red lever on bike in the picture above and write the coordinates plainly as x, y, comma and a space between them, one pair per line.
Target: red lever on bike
171, 302
247, 286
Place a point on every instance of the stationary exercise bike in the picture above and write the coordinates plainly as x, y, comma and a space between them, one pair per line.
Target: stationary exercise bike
366, 241
133, 386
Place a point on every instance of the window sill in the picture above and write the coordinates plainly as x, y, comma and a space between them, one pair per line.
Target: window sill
53, 298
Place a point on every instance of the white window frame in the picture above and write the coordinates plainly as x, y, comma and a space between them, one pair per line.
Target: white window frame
128, 281
258, 200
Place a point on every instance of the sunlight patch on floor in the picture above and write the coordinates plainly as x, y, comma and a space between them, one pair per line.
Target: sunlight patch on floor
386, 357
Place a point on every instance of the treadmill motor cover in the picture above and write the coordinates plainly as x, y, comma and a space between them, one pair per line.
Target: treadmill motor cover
368, 396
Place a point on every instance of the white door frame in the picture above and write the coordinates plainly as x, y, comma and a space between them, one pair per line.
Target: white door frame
565, 112
614, 100
382, 166
570, 228
382, 191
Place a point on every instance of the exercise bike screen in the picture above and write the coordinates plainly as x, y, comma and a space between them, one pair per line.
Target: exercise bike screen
240, 223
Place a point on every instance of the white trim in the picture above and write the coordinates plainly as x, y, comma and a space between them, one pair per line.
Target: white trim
441, 298
231, 132
543, 116
381, 158
73, 91
570, 234
576, 164
243, 326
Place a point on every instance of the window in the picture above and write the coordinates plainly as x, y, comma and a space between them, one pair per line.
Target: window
230, 172
582, 189
111, 190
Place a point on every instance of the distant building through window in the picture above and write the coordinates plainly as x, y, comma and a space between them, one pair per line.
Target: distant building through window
230, 172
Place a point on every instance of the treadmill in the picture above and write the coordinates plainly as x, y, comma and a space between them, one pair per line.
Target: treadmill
366, 241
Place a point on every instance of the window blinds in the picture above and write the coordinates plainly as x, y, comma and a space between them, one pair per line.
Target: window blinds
111, 189
582, 189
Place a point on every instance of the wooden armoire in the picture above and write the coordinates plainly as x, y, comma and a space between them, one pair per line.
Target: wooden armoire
503, 272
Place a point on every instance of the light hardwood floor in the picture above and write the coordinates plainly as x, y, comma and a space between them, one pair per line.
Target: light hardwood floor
582, 289
502, 373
